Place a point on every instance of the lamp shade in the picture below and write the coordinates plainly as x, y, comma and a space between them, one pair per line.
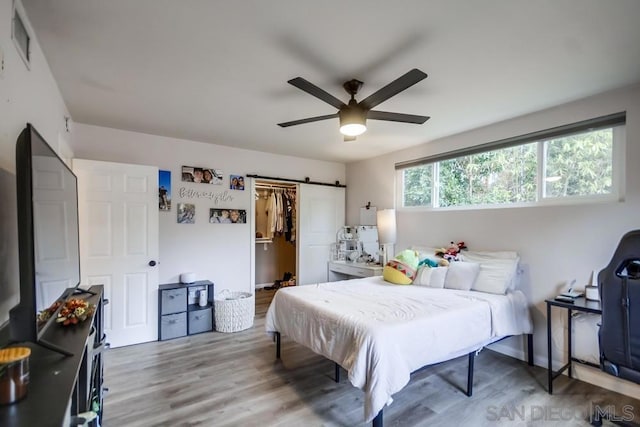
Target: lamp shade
352, 121
386, 221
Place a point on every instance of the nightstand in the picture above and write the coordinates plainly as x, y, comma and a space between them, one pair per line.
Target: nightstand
343, 270
579, 304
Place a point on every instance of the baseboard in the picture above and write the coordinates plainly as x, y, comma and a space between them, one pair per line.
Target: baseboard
580, 372
599, 378
508, 350
263, 285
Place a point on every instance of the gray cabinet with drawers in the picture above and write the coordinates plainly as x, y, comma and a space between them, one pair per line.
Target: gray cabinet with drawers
180, 312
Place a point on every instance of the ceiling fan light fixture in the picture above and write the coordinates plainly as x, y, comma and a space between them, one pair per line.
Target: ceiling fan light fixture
352, 122
353, 129
353, 116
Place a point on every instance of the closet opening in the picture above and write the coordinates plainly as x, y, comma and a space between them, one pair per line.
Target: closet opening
276, 242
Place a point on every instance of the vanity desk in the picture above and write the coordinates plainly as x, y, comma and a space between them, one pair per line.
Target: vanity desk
344, 270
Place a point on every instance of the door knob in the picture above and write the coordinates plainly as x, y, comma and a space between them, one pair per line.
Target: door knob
152, 263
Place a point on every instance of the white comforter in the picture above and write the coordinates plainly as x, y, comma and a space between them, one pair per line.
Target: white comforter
380, 333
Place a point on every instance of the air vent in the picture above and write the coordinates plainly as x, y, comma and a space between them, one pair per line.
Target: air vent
21, 37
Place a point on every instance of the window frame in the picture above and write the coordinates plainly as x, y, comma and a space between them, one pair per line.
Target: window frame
617, 193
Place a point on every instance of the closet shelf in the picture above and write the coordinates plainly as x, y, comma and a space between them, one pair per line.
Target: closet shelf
263, 240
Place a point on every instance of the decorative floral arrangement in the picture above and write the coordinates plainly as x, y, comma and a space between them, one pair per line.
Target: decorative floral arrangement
74, 311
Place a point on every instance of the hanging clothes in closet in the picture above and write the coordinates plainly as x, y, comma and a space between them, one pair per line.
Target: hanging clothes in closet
290, 215
281, 213
271, 214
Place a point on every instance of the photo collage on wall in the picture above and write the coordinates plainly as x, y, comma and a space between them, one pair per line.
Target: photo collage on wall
186, 212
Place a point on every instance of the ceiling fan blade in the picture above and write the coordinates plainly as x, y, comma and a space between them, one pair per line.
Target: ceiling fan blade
308, 120
393, 88
397, 117
349, 138
314, 90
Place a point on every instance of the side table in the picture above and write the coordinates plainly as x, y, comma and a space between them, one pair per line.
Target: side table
579, 304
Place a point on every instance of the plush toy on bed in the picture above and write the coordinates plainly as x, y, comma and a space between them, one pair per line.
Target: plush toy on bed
434, 262
401, 270
450, 253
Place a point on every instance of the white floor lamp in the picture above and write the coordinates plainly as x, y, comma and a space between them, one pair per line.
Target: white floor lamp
386, 222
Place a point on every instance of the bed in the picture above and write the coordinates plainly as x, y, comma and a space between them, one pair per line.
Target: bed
371, 328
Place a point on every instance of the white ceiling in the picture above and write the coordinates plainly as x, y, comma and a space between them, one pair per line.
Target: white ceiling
217, 71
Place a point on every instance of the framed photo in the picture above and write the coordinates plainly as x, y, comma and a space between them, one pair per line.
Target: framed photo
201, 175
164, 190
186, 213
236, 182
227, 216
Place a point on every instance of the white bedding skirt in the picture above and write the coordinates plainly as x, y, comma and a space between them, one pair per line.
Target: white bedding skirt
380, 332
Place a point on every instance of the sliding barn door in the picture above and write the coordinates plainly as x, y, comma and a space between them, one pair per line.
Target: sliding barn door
321, 214
118, 212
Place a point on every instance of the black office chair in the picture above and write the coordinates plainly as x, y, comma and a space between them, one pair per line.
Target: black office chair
619, 335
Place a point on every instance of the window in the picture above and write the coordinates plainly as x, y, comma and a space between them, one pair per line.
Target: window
21, 37
577, 161
418, 185
492, 177
579, 165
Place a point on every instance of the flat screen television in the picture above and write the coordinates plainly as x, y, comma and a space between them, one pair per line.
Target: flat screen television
48, 236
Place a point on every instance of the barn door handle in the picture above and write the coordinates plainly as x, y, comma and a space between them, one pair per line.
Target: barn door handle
152, 263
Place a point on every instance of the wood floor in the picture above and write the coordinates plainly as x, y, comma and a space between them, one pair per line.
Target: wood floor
216, 379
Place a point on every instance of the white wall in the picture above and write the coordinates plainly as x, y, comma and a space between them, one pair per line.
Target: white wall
556, 244
217, 252
26, 95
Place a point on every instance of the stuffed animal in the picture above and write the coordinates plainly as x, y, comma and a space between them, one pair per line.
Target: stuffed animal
401, 270
432, 263
450, 253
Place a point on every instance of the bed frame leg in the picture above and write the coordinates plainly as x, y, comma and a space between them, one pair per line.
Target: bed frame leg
530, 349
377, 421
472, 356
337, 377
277, 345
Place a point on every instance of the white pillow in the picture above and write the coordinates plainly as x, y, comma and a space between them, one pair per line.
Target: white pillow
461, 275
431, 277
497, 270
480, 256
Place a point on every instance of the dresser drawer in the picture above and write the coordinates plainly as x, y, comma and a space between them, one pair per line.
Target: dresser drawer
173, 326
361, 272
173, 301
355, 270
200, 321
340, 268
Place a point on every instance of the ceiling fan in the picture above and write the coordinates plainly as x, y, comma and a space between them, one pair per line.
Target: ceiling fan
353, 116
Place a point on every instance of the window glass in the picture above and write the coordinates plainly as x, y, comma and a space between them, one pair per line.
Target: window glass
418, 184
494, 177
579, 165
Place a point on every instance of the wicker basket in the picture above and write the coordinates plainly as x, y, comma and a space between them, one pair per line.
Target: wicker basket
234, 311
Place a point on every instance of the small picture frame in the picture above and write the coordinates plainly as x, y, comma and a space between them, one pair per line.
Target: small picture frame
227, 216
201, 175
186, 213
236, 182
164, 190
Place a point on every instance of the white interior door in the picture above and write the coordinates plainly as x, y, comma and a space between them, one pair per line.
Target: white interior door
118, 213
54, 209
321, 214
